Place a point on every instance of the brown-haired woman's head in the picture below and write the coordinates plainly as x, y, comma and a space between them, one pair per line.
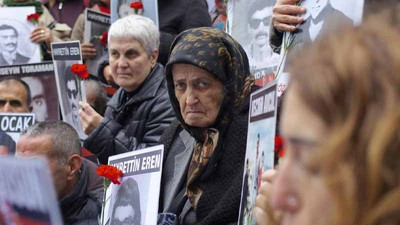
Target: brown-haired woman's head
341, 124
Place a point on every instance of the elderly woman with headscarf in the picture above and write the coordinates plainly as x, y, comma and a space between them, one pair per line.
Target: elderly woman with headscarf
209, 84
140, 110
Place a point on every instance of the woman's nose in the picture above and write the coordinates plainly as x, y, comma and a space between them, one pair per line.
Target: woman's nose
191, 98
122, 62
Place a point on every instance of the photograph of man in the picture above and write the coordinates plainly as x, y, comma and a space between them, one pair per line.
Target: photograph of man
259, 51
320, 18
15, 96
8, 46
72, 100
126, 209
39, 104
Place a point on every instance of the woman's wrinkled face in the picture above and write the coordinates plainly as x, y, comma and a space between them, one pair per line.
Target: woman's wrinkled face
130, 64
299, 191
199, 93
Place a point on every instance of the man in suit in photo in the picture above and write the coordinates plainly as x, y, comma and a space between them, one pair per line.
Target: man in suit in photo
320, 18
8, 46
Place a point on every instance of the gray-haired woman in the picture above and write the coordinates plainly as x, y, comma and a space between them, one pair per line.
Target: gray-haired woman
140, 110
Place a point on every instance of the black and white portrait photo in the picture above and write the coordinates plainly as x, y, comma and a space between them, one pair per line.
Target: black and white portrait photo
324, 16
69, 95
15, 29
126, 208
44, 96
250, 26
41, 81
8, 46
70, 89
258, 50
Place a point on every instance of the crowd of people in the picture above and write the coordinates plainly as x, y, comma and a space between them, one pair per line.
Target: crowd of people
187, 86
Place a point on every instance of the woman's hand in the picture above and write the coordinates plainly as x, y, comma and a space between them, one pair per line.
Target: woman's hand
284, 17
263, 205
42, 34
90, 119
88, 51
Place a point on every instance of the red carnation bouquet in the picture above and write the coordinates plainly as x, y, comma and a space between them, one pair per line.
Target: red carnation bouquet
138, 7
34, 18
110, 174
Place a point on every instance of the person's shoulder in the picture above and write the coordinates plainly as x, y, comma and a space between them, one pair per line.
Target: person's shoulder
336, 13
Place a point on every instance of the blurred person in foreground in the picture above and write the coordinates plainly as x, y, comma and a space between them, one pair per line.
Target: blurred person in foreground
209, 84
78, 187
341, 124
140, 110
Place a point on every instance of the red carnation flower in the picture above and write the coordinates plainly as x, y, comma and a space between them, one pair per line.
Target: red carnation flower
136, 5
34, 17
103, 39
110, 172
80, 70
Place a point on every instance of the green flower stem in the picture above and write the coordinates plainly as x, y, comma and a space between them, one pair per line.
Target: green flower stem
107, 183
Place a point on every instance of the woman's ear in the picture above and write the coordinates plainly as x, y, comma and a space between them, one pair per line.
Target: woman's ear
75, 164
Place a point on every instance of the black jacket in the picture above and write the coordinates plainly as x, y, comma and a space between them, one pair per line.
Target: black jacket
177, 16
7, 142
135, 123
83, 204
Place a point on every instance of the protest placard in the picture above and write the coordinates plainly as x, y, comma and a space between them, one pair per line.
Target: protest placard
42, 84
70, 89
27, 194
259, 148
137, 195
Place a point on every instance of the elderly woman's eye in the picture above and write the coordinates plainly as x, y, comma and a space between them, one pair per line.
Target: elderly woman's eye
180, 86
203, 84
131, 54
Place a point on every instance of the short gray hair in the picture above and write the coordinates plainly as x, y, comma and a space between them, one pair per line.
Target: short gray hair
64, 139
139, 28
